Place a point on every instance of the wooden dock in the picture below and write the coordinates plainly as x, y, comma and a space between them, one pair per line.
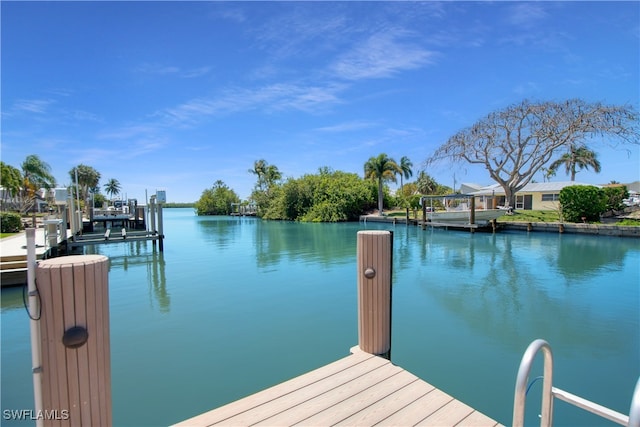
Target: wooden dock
360, 389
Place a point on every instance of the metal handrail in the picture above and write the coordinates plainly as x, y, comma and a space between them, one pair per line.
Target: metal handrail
523, 379
549, 392
634, 411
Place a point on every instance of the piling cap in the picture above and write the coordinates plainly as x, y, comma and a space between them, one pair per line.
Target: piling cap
374, 232
73, 260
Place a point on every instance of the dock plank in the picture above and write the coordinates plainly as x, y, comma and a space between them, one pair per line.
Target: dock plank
477, 419
360, 389
390, 404
450, 414
343, 410
305, 393
263, 397
418, 409
327, 400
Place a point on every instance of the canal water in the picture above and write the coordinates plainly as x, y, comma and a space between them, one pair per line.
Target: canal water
235, 305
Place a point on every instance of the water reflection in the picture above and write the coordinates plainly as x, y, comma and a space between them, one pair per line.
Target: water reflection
221, 230
587, 256
508, 288
327, 244
136, 255
12, 298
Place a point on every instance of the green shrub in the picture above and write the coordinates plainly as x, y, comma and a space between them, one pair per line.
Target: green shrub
615, 196
216, 200
329, 196
582, 202
10, 222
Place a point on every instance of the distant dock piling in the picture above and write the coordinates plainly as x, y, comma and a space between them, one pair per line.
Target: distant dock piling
374, 261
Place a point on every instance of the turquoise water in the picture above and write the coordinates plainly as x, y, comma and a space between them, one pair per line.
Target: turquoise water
235, 305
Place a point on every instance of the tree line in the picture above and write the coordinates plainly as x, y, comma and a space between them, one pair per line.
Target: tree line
22, 186
325, 196
512, 144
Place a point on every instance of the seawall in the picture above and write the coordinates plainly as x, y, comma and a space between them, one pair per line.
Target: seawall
549, 227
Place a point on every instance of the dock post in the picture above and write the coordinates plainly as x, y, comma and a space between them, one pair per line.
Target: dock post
152, 217
75, 348
160, 228
424, 216
472, 213
65, 220
374, 261
51, 230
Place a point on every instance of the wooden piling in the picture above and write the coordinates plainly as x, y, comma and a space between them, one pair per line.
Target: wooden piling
472, 218
75, 348
424, 215
160, 229
374, 262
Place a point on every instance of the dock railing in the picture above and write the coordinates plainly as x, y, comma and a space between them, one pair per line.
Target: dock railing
549, 393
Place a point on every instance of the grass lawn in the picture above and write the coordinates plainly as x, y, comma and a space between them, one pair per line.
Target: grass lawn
3, 235
531, 216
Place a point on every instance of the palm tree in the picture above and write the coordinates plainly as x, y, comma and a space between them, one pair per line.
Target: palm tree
577, 157
112, 187
405, 166
36, 174
260, 170
267, 174
426, 184
88, 178
381, 168
272, 176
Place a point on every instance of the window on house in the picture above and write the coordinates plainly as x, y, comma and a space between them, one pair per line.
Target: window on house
550, 197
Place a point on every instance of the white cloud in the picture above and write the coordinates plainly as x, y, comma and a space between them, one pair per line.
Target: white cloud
160, 69
381, 55
347, 126
526, 14
279, 96
39, 106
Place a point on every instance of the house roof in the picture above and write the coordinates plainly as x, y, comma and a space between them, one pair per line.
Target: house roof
633, 187
532, 187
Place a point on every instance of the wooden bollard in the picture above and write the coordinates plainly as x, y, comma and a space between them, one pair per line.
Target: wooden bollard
374, 260
75, 349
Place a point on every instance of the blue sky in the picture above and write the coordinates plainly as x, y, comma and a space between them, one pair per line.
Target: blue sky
176, 95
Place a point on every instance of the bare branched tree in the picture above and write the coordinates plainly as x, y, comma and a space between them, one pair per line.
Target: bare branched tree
516, 142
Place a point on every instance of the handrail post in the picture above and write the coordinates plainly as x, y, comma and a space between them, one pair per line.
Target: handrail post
634, 410
523, 378
374, 261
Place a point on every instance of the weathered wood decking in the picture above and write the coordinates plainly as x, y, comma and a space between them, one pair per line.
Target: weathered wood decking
360, 389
